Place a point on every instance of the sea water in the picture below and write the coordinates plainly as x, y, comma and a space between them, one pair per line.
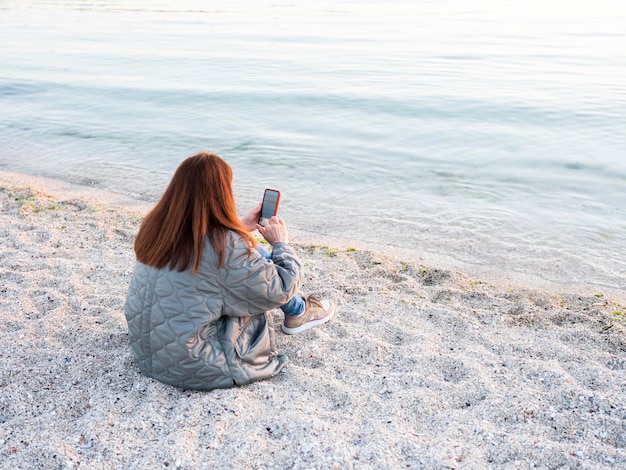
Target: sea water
487, 136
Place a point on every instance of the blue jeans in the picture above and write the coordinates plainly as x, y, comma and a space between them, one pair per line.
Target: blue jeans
296, 305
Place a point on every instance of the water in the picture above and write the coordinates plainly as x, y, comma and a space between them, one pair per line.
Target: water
486, 136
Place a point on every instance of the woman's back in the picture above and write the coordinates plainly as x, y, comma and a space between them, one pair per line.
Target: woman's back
210, 329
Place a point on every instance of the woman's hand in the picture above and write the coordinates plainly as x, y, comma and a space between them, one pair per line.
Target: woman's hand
274, 231
251, 218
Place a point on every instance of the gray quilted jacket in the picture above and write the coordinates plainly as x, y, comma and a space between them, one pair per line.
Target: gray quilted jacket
211, 329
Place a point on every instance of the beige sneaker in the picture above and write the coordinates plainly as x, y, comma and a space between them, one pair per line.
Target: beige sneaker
317, 312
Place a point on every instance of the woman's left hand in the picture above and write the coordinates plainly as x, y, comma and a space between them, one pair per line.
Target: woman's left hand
251, 218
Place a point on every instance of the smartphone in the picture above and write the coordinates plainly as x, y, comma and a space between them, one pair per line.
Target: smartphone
269, 208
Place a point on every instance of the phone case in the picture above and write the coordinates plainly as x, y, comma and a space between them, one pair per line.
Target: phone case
275, 208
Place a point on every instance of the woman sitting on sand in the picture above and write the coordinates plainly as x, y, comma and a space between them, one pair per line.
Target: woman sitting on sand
197, 312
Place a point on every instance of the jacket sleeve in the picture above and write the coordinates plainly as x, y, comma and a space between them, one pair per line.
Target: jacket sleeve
252, 284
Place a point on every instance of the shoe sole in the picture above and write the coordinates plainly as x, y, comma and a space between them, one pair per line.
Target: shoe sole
311, 324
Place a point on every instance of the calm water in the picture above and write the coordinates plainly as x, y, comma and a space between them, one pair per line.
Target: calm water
488, 136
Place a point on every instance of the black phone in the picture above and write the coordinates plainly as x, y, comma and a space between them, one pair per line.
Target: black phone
269, 208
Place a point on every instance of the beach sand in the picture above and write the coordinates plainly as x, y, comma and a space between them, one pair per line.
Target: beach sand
421, 368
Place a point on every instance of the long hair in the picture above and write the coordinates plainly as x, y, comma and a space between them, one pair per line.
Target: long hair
198, 203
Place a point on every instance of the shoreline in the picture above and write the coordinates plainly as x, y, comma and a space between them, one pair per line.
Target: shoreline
497, 276
423, 366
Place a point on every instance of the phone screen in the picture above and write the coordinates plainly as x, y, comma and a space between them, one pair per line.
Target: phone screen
270, 205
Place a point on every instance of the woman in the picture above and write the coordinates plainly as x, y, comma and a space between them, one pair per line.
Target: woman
197, 312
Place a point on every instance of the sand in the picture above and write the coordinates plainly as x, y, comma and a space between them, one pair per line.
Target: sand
421, 368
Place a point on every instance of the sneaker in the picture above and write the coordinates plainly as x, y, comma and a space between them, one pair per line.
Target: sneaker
317, 312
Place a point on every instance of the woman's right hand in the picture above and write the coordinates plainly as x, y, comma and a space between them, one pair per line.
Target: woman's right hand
274, 231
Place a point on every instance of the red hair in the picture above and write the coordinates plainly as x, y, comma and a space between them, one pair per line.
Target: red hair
198, 203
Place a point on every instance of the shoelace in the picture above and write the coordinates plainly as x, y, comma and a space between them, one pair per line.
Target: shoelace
315, 299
